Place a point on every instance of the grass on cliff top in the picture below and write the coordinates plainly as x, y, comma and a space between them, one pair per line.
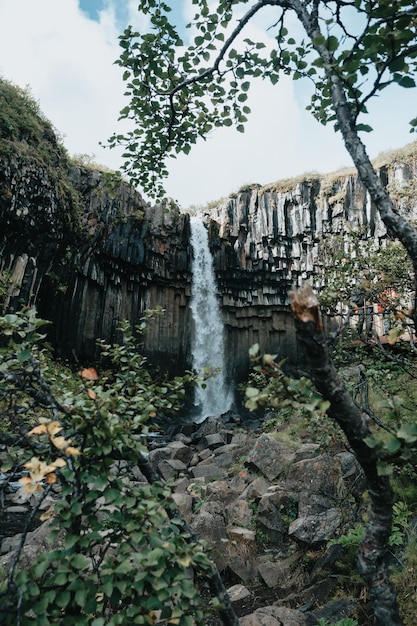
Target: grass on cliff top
24, 128
406, 155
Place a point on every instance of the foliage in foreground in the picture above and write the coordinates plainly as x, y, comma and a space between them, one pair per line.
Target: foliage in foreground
119, 552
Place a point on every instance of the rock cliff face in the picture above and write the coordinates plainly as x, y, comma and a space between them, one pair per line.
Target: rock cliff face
267, 240
120, 259
89, 252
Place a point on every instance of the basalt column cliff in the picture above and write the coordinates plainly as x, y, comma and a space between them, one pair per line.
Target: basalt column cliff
89, 252
267, 240
121, 259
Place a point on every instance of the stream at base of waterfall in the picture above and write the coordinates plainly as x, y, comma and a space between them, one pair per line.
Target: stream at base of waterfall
216, 395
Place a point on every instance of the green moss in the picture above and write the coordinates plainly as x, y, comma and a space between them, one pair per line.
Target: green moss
288, 184
27, 137
24, 129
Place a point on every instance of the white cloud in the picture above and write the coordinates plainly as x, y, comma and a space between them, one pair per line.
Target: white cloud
68, 61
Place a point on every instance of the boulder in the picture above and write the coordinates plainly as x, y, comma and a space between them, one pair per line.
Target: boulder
269, 518
270, 457
316, 528
274, 616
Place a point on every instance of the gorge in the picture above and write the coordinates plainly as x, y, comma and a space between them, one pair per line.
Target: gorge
88, 251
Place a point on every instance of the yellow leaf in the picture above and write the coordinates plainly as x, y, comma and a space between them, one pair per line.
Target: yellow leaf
38, 430
72, 450
50, 479
33, 463
91, 394
393, 336
37, 469
47, 515
184, 561
60, 442
59, 463
32, 487
54, 428
44, 420
24, 480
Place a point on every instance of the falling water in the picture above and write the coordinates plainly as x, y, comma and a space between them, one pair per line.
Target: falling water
208, 343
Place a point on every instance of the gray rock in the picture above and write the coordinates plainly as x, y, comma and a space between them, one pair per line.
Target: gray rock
270, 457
171, 468
269, 517
184, 502
333, 612
209, 472
274, 616
238, 593
281, 573
212, 441
255, 489
319, 482
307, 451
242, 564
242, 533
316, 528
180, 451
211, 526
239, 512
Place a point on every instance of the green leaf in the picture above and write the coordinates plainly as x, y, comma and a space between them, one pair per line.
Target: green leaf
252, 392
80, 561
24, 355
384, 469
81, 596
392, 445
408, 432
371, 442
406, 81
332, 43
364, 128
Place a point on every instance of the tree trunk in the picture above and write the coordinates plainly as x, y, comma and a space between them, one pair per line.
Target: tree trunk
373, 548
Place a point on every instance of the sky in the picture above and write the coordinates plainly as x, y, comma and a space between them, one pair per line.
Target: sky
64, 51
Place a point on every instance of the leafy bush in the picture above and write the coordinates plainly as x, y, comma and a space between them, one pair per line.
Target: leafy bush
124, 555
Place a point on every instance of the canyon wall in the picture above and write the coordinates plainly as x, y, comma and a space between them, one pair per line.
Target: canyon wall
92, 253
268, 240
89, 252
92, 258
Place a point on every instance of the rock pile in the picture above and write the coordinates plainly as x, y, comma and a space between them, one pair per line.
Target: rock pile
262, 505
266, 510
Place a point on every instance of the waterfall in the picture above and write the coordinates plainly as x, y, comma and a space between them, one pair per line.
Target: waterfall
208, 342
